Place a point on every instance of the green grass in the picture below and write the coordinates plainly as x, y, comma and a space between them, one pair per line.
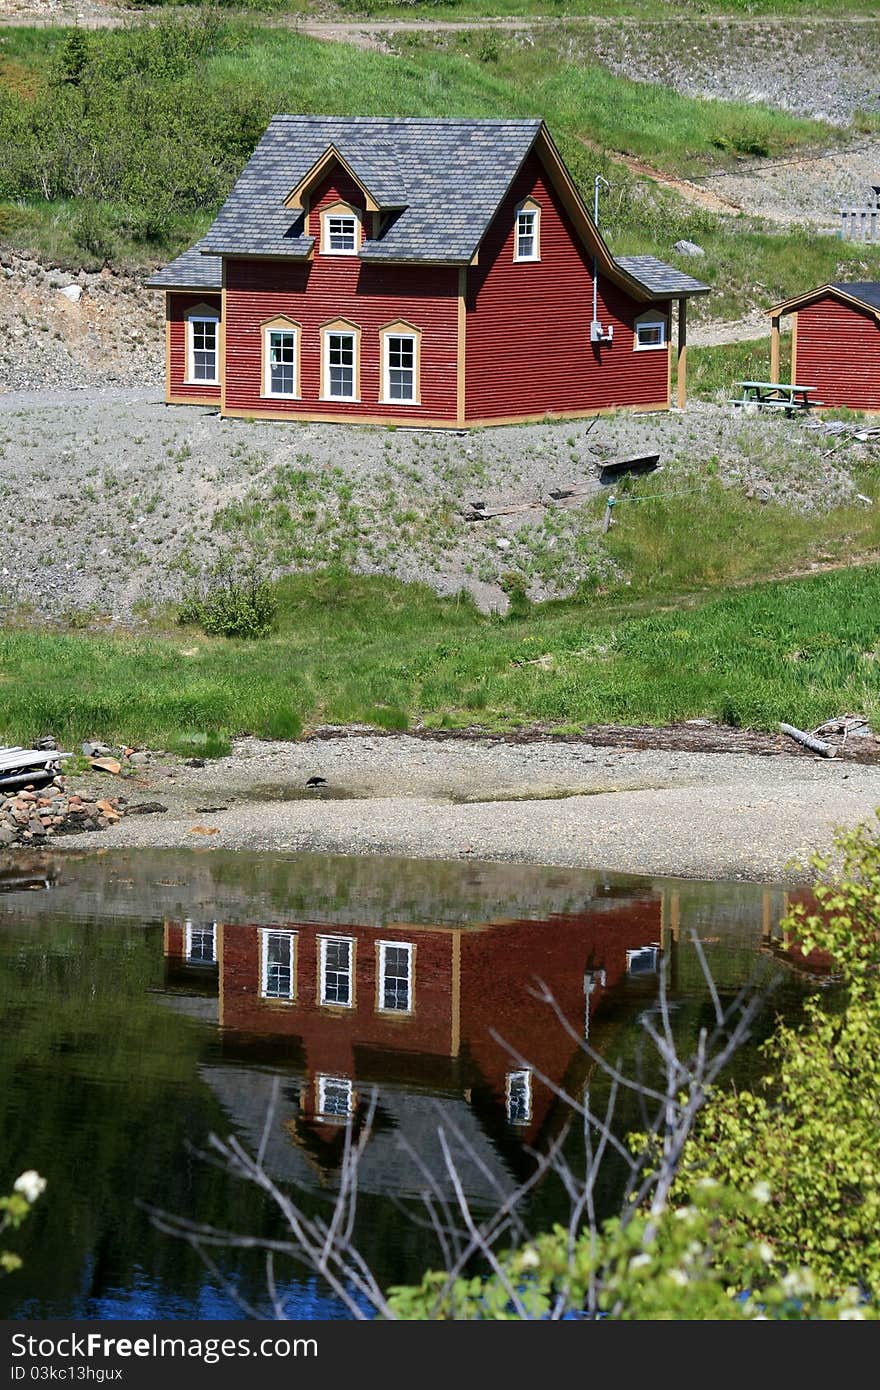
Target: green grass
713, 372
367, 649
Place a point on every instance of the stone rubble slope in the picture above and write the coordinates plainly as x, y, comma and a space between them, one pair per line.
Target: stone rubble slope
110, 500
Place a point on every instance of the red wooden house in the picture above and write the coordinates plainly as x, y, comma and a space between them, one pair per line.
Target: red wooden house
835, 343
419, 271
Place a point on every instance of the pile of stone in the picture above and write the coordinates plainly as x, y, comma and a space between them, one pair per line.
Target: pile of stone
37, 814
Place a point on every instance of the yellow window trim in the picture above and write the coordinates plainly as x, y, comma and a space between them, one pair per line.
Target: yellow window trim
399, 329
527, 205
354, 329
280, 324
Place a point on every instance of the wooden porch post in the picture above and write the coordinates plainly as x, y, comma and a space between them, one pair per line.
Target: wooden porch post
794, 321
681, 364
774, 348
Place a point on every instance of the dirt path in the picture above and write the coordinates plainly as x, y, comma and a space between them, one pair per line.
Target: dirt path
619, 809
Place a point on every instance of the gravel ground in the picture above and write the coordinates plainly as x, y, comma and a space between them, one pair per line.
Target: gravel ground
113, 499
671, 813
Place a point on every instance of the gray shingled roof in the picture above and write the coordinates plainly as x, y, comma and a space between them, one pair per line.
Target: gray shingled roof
867, 291
443, 180
191, 271
660, 278
448, 176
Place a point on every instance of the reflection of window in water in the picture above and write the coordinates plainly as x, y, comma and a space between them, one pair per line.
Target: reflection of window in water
334, 1097
336, 961
519, 1097
278, 957
395, 976
201, 942
642, 960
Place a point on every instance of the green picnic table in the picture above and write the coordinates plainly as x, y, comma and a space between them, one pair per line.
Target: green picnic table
776, 395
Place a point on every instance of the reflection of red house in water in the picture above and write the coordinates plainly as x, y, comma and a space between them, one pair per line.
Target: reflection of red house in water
788, 952
414, 1009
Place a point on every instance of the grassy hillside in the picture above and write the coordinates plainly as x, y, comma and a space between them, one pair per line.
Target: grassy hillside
372, 650
120, 145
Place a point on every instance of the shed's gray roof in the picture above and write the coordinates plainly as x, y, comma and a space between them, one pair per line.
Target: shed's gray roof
448, 176
191, 271
660, 278
867, 291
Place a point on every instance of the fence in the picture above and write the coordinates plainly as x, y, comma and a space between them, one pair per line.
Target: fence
860, 224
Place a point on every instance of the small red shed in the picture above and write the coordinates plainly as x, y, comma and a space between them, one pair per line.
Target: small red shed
835, 343
416, 271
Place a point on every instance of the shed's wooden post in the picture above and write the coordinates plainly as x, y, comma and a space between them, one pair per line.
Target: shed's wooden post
794, 321
774, 348
681, 365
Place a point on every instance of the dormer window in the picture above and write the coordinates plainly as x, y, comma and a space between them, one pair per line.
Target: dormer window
527, 233
340, 230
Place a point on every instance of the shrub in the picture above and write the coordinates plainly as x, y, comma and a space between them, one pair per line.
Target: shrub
233, 607
809, 1129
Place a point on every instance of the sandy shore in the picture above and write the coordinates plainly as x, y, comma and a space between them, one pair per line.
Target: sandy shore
650, 811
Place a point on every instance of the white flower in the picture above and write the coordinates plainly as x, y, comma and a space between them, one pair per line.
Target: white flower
639, 1261
678, 1276
684, 1213
850, 1313
30, 1185
765, 1252
529, 1258
761, 1193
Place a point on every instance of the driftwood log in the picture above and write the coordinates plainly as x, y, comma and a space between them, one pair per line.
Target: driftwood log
816, 745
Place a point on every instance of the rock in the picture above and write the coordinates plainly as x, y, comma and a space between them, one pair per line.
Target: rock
95, 750
138, 759
107, 765
688, 248
47, 744
145, 808
194, 762
72, 292
7, 836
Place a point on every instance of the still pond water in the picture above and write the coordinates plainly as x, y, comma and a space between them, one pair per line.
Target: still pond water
149, 1000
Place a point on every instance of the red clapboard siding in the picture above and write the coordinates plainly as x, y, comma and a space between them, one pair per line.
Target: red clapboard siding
838, 352
178, 307
528, 324
331, 287
329, 1047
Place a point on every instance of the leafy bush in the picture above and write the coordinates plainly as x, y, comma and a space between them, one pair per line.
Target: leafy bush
810, 1128
700, 1262
233, 607
26, 1189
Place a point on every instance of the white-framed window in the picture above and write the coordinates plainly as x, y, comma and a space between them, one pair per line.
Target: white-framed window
400, 366
642, 960
395, 977
201, 348
650, 332
337, 971
340, 365
281, 356
527, 233
277, 964
201, 942
335, 1098
519, 1097
340, 230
